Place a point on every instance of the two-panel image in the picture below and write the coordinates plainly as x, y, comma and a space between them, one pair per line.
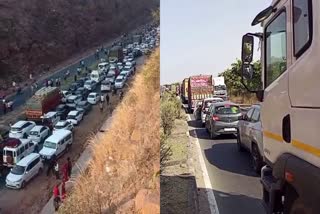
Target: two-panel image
149, 107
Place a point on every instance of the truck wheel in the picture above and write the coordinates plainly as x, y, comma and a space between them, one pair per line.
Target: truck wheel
293, 204
256, 158
239, 145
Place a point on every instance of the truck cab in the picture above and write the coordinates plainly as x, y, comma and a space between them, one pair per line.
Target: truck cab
290, 103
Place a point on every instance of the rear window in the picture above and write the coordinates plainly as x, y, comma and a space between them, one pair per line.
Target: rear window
16, 129
227, 109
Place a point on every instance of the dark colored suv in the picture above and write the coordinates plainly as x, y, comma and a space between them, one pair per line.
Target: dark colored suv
222, 118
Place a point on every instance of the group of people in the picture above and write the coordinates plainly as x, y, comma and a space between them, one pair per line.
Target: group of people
103, 98
7, 106
51, 82
66, 171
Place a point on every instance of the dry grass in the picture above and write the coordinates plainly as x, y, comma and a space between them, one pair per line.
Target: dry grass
127, 157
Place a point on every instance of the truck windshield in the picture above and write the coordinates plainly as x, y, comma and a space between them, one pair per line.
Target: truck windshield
50, 145
220, 87
18, 170
227, 109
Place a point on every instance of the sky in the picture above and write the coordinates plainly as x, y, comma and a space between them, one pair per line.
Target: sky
203, 36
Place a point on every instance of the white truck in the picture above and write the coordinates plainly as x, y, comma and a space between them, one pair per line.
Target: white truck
290, 103
220, 88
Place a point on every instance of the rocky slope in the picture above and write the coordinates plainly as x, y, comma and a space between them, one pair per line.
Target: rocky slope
36, 34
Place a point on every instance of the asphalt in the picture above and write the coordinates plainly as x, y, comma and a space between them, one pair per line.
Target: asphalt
235, 185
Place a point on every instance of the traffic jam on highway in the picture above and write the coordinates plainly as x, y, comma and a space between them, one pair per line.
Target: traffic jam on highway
52, 114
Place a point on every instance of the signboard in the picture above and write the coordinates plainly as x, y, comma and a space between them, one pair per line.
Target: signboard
200, 81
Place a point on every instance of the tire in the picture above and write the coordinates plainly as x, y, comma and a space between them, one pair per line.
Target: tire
239, 145
203, 124
36, 149
257, 161
293, 204
25, 135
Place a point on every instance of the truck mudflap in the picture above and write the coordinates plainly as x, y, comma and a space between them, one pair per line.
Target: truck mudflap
287, 172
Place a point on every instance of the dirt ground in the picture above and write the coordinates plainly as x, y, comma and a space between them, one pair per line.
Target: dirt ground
178, 184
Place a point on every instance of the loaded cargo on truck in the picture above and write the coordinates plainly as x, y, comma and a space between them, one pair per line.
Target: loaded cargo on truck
184, 91
43, 101
220, 88
199, 87
289, 103
116, 54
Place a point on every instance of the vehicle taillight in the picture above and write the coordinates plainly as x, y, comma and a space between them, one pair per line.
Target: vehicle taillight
215, 118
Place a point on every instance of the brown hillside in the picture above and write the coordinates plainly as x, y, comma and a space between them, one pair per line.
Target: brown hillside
35, 34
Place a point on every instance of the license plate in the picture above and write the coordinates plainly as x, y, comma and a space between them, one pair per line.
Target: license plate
229, 129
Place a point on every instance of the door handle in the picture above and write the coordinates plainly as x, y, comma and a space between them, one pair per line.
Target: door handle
286, 129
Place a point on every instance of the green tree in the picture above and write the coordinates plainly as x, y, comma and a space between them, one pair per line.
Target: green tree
232, 76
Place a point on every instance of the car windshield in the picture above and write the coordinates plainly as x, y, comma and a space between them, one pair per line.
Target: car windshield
110, 75
209, 102
50, 145
228, 109
82, 104
34, 133
91, 96
219, 87
94, 76
71, 116
60, 108
70, 101
16, 129
118, 80
60, 126
87, 83
18, 170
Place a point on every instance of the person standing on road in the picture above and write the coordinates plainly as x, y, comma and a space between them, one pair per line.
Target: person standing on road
50, 166
75, 78
102, 98
56, 197
56, 170
107, 99
57, 83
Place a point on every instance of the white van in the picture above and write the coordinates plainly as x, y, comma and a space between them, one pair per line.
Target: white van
56, 144
97, 76
18, 149
24, 171
103, 66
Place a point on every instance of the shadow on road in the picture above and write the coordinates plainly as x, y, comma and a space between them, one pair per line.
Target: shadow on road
204, 135
194, 123
226, 157
229, 203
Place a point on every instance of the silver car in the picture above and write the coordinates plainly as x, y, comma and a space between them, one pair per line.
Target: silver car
250, 137
222, 118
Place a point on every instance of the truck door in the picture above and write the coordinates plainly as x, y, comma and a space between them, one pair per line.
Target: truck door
276, 102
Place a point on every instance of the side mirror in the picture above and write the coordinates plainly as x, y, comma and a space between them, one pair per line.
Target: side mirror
247, 71
247, 49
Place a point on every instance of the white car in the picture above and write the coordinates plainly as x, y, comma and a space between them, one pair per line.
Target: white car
21, 129
93, 98
63, 124
75, 117
39, 133
120, 81
205, 107
65, 95
125, 73
111, 77
120, 65
130, 69
90, 85
24, 171
73, 100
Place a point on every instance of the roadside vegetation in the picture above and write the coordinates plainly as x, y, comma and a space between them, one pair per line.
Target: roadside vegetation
125, 163
236, 90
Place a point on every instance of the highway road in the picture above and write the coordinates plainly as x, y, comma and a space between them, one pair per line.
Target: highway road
236, 187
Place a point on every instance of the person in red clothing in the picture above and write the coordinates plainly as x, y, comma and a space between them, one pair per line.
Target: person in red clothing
56, 197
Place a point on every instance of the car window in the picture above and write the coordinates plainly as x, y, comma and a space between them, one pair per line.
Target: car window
227, 109
255, 116
248, 115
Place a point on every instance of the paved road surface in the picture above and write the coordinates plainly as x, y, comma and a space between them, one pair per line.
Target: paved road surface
236, 187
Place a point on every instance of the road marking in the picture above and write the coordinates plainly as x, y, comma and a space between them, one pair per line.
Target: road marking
212, 200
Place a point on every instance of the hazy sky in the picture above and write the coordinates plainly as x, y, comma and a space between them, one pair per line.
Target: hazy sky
203, 36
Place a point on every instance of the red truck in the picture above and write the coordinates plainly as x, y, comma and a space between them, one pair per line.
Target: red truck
44, 100
199, 88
